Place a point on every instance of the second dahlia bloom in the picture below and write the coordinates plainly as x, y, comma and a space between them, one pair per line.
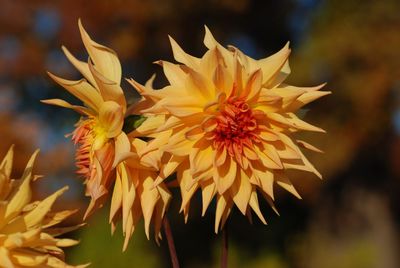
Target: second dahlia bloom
28, 237
102, 144
106, 158
228, 128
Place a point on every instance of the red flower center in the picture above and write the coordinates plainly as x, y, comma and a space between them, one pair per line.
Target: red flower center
236, 127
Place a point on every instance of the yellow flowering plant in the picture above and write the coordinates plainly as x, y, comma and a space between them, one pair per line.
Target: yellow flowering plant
28, 231
106, 158
224, 125
227, 126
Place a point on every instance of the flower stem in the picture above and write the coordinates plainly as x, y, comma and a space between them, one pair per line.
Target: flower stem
171, 244
224, 256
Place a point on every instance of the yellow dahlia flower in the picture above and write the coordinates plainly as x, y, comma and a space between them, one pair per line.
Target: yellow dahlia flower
228, 126
27, 232
105, 156
102, 144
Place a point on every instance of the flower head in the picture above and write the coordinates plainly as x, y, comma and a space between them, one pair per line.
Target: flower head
105, 157
228, 126
28, 237
102, 144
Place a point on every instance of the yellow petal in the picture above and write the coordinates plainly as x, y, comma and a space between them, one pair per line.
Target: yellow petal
122, 149
201, 158
105, 59
253, 202
197, 83
285, 183
26, 259
82, 90
80, 109
185, 106
116, 200
266, 160
82, 67
238, 74
7, 162
272, 153
308, 146
271, 65
222, 203
168, 168
253, 86
182, 57
57, 217
109, 90
225, 175
310, 94
266, 179
185, 179
24, 193
222, 79
211, 43
111, 117
241, 191
5, 258
128, 191
36, 216
148, 199
208, 191
174, 73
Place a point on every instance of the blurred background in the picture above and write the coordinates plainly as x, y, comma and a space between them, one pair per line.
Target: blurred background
349, 219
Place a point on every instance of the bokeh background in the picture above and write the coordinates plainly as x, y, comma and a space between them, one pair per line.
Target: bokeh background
349, 219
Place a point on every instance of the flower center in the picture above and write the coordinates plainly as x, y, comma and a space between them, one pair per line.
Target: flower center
236, 127
89, 136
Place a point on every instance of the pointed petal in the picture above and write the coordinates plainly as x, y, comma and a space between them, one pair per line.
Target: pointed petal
82, 90
286, 184
208, 191
253, 202
82, 67
7, 162
272, 65
58, 102
105, 59
241, 191
308, 146
225, 175
182, 57
122, 149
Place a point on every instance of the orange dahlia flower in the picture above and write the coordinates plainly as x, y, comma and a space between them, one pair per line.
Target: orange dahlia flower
228, 124
102, 144
105, 156
28, 237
